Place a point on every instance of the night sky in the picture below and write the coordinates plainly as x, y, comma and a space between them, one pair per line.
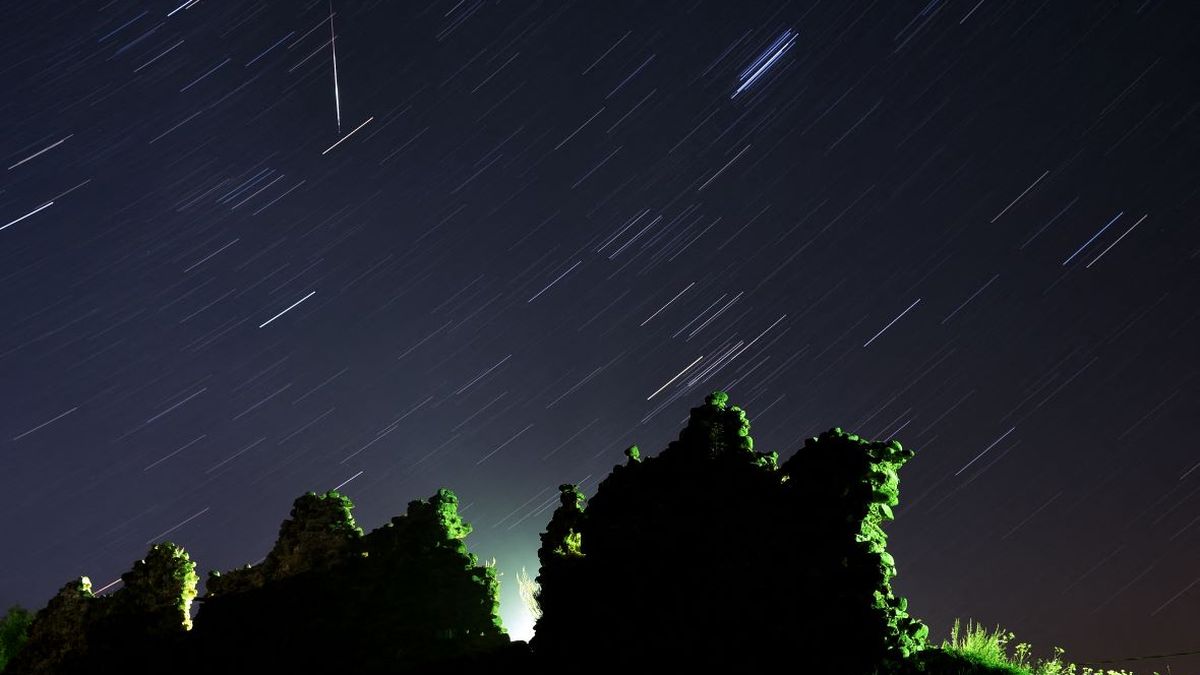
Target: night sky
512, 238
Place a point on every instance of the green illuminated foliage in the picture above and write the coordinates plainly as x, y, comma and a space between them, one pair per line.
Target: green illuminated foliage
718, 550
709, 556
560, 553
404, 597
234, 581
562, 538
406, 594
975, 651
58, 635
77, 629
848, 485
161, 585
457, 597
316, 536
14, 632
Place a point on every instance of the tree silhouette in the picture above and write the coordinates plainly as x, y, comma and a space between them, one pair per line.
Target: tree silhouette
711, 553
14, 632
559, 555
317, 536
406, 595
77, 630
429, 583
58, 634
158, 591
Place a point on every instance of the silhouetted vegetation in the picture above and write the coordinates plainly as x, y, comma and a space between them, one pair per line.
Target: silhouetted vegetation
407, 594
14, 632
77, 629
708, 555
710, 551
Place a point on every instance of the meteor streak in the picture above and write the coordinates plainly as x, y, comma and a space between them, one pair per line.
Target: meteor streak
337, 103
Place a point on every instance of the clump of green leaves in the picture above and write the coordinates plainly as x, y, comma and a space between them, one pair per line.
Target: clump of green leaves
162, 584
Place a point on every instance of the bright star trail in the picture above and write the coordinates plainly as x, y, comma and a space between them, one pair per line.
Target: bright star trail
337, 97
764, 61
547, 230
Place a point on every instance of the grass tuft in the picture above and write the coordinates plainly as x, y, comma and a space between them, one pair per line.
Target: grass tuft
980, 647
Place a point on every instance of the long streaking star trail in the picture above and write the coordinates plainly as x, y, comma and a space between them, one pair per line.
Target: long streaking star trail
45, 149
43, 424
185, 522
1139, 222
891, 322
293, 306
765, 60
675, 378
343, 483
1089, 241
660, 309
1002, 437
339, 141
337, 101
548, 231
556, 280
14, 222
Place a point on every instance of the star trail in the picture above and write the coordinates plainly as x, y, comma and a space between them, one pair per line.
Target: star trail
248, 251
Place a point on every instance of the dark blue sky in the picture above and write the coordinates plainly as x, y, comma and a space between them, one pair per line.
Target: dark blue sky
546, 230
